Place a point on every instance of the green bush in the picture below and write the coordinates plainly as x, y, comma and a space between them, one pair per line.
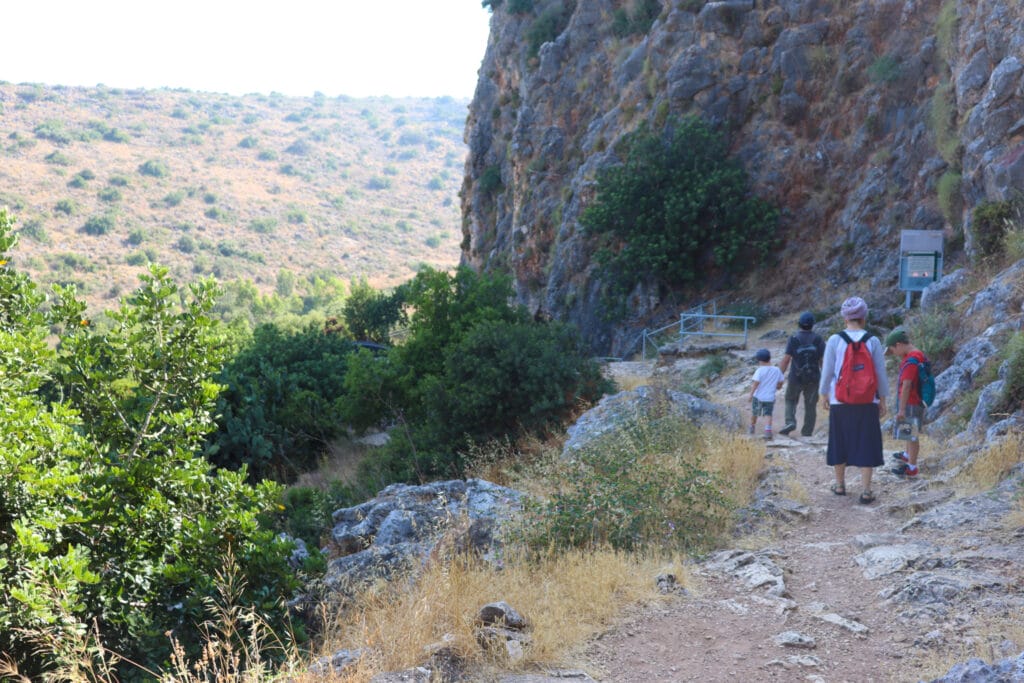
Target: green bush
264, 226
53, 131
81, 179
371, 315
471, 368
249, 142
99, 225
520, 6
548, 25
115, 135
885, 69
990, 223
109, 194
489, 181
58, 158
643, 485
118, 181
677, 210
1012, 398
66, 207
172, 199
282, 402
155, 168
950, 201
136, 237
637, 19
111, 526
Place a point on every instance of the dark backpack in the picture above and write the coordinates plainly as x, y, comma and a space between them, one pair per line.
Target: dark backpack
857, 382
806, 362
925, 380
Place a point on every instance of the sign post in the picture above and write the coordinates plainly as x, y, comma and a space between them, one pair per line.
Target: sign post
920, 259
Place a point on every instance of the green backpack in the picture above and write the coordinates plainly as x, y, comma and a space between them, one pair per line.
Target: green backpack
925, 380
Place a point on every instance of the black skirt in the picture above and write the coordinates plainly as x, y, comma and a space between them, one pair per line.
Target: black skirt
854, 435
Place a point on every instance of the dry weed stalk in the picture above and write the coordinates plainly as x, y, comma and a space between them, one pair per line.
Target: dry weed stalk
993, 464
568, 598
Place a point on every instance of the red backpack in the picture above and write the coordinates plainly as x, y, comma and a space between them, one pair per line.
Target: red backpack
857, 382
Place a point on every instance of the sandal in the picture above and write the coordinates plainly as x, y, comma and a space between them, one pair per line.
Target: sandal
867, 497
838, 490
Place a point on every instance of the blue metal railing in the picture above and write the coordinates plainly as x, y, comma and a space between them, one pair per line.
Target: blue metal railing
698, 322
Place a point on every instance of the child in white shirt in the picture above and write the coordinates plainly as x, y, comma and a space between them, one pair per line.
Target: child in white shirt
767, 380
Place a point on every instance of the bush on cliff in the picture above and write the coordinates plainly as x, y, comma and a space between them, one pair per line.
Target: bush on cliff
676, 209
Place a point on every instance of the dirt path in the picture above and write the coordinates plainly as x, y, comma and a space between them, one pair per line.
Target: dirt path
813, 594
727, 630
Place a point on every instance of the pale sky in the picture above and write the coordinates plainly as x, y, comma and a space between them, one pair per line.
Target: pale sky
361, 48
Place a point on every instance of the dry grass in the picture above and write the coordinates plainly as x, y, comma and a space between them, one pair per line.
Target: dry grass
568, 598
992, 465
737, 459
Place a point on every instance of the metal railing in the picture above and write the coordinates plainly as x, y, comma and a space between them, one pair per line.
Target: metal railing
702, 320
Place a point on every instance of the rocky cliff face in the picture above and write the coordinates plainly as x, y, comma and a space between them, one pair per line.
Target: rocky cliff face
859, 118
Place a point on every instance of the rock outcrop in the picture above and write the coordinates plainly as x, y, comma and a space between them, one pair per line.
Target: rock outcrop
860, 119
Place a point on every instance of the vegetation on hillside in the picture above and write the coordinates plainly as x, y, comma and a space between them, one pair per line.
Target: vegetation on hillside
676, 209
251, 187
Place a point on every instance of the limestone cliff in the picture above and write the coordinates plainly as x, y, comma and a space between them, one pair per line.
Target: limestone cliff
860, 118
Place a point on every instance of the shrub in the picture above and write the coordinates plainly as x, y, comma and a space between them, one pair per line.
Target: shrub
267, 155
637, 19
378, 183
280, 408
81, 179
549, 25
99, 225
109, 194
489, 181
66, 207
155, 168
118, 181
884, 70
990, 223
646, 484
296, 216
35, 230
186, 244
471, 368
676, 210
53, 131
370, 315
58, 158
136, 237
1012, 398
299, 148
115, 135
942, 119
264, 226
950, 201
249, 142
520, 6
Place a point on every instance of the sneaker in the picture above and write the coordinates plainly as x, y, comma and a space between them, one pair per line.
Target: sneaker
787, 429
901, 456
904, 470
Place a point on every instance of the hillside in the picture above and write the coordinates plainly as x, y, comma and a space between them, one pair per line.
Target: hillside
103, 180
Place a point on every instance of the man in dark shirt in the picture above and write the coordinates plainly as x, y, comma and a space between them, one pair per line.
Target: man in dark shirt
804, 353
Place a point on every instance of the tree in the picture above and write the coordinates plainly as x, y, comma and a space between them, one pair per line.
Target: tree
676, 209
112, 528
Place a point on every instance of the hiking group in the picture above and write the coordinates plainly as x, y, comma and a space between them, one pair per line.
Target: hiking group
848, 374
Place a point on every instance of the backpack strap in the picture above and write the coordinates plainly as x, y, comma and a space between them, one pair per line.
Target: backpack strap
862, 340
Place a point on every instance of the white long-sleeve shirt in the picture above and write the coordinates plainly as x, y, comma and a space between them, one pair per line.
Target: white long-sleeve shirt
835, 350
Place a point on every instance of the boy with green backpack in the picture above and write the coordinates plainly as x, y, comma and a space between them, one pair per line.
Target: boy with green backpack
915, 391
